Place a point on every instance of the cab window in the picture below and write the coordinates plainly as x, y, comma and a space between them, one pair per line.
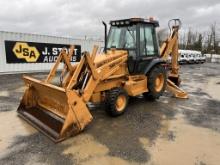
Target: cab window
148, 41
122, 37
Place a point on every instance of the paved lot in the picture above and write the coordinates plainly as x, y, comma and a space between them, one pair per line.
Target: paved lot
169, 131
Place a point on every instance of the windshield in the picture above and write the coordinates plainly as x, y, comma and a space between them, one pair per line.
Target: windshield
122, 37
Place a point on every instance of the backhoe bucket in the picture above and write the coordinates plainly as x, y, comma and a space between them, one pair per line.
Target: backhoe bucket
55, 112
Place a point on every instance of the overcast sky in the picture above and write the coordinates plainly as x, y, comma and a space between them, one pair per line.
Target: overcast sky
83, 17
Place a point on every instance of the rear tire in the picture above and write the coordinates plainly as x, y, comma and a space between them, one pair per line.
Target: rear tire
116, 101
157, 80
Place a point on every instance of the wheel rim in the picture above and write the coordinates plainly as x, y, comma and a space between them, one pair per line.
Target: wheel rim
120, 103
159, 82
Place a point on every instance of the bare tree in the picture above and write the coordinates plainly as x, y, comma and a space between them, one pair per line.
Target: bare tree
192, 38
213, 39
198, 42
189, 39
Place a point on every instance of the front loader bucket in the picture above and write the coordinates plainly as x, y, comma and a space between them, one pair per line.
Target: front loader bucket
55, 112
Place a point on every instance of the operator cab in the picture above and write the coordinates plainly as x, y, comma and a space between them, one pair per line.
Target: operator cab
138, 37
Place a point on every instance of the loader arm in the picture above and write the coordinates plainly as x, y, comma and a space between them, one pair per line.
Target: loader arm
61, 111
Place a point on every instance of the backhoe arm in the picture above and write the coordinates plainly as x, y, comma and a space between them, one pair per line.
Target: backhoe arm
170, 48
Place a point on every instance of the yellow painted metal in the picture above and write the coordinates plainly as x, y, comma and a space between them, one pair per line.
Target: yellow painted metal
96, 97
136, 85
60, 111
57, 112
159, 82
176, 91
121, 103
170, 48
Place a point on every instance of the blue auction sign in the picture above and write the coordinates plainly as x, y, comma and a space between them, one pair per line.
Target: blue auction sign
35, 52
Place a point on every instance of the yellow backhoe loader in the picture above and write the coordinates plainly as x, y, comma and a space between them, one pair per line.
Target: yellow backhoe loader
132, 64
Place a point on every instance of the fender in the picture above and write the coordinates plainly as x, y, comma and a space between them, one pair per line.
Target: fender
153, 63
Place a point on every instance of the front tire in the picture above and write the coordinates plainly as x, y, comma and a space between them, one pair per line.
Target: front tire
116, 101
157, 80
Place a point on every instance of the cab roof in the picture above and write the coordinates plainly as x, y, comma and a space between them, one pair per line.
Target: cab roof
132, 21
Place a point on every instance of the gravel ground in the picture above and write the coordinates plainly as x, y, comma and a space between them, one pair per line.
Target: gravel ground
167, 131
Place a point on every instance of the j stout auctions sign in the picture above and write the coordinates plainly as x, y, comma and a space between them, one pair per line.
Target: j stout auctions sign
33, 52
